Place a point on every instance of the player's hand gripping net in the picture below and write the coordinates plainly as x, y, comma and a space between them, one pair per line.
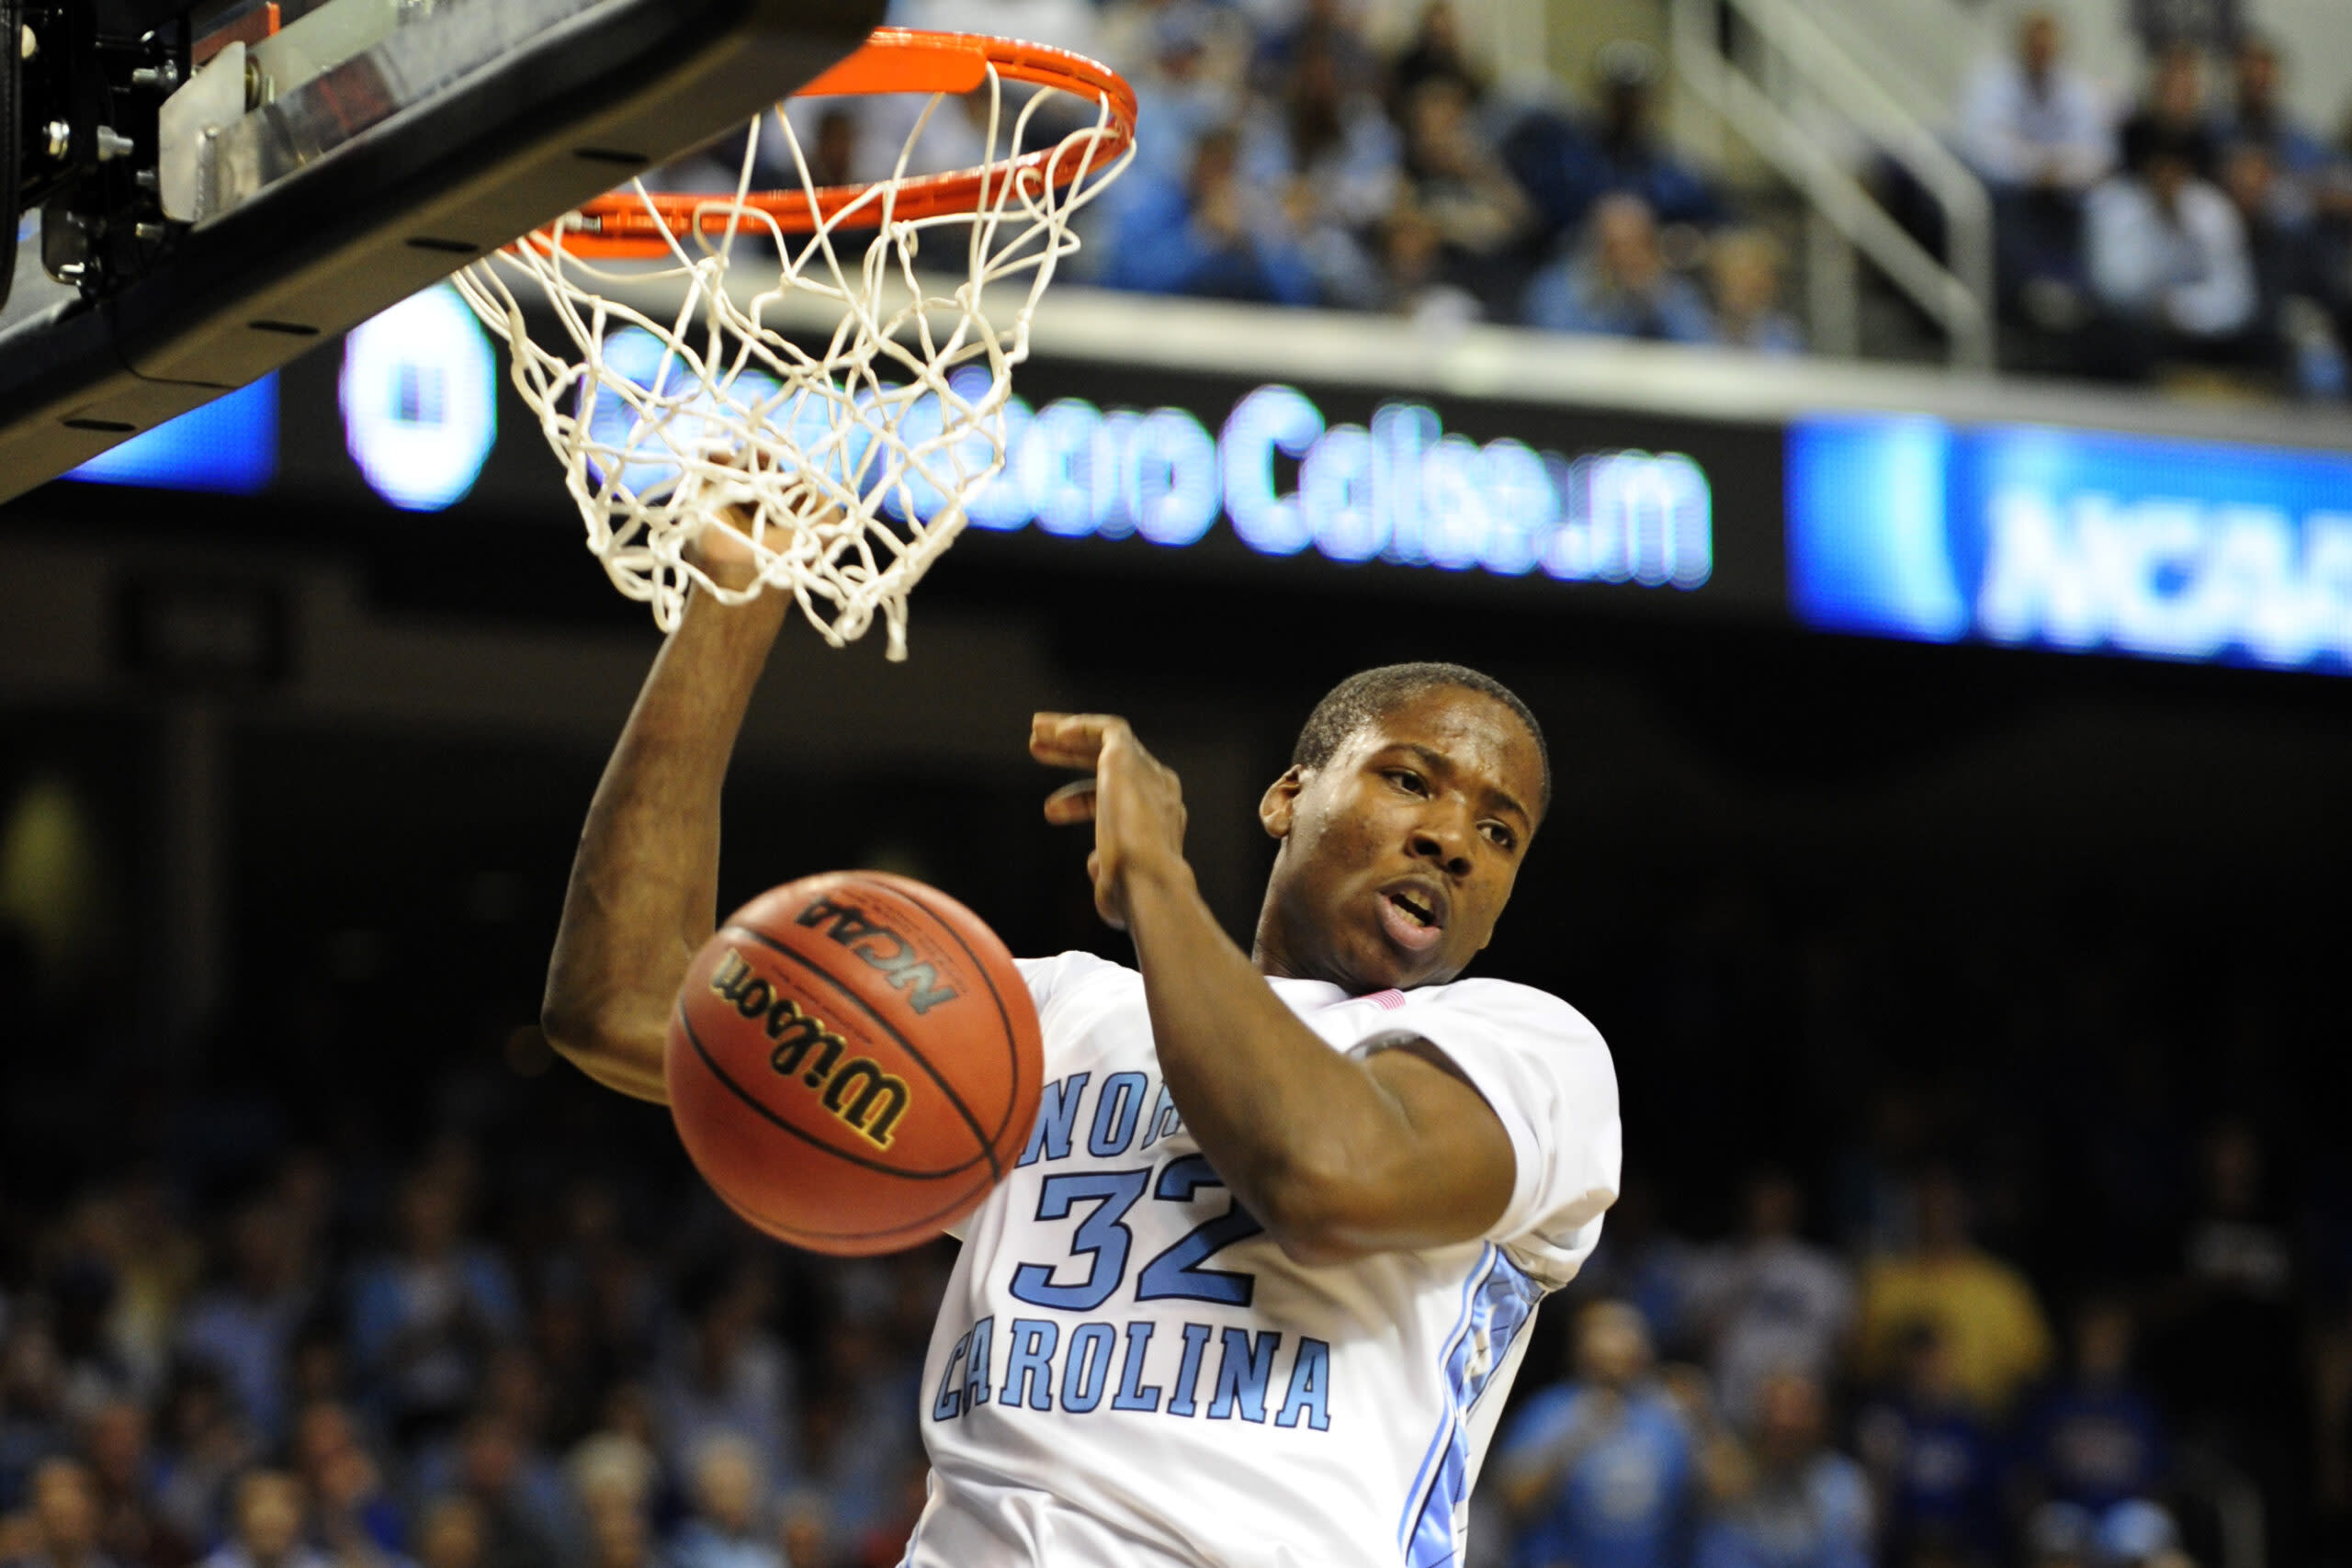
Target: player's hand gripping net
688, 381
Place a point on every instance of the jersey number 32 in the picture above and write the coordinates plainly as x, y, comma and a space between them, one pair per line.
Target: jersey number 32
1104, 1241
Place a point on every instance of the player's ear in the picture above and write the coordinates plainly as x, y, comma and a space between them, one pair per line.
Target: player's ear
1280, 801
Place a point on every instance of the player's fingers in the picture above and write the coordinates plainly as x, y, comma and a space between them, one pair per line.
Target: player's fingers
1074, 802
1070, 739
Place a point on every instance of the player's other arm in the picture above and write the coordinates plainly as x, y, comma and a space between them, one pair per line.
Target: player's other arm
644, 890
1339, 1157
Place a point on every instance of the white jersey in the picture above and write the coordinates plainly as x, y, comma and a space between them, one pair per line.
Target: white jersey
1126, 1370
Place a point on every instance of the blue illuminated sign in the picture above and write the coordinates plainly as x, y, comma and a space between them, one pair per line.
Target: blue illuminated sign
419, 393
1401, 490
229, 446
1912, 527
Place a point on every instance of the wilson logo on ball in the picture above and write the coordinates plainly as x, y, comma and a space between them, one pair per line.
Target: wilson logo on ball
907, 972
880, 1096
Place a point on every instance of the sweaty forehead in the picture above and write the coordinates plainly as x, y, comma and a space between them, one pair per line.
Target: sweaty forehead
1472, 730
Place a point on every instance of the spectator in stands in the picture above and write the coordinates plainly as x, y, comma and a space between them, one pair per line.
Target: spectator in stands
1179, 49
1458, 183
2173, 113
63, 1529
425, 1316
1744, 268
1795, 1503
2209, 25
1932, 1458
1183, 61
2224, 1336
357, 1523
245, 1325
1599, 1471
1566, 165
724, 1374
1435, 54
804, 1530
620, 1538
31, 1394
132, 1529
2036, 130
517, 1530
450, 1534
1649, 1268
1208, 238
347, 1489
268, 1532
1413, 266
2294, 329
500, 1455
832, 153
1324, 149
2139, 1535
1328, 27
1617, 284
1982, 1312
2095, 1439
1634, 157
204, 1448
860, 1448
2033, 122
2169, 267
2256, 115
728, 1528
84, 1287
1772, 1303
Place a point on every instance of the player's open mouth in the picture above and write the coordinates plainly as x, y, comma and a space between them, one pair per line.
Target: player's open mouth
1413, 917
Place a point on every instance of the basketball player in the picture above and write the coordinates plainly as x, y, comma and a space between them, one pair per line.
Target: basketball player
1257, 1288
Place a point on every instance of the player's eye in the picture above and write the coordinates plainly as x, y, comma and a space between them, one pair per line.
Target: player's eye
1502, 837
1405, 779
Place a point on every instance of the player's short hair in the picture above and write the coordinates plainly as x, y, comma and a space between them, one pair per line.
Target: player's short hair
1372, 695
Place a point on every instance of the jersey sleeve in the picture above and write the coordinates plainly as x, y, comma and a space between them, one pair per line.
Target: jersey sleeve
1042, 975
1548, 1074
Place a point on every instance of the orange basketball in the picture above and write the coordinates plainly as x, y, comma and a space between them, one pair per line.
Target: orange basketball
854, 1062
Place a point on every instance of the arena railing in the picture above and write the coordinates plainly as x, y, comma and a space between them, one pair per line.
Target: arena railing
1805, 103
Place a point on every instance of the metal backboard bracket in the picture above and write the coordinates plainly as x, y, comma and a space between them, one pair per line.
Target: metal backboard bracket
461, 125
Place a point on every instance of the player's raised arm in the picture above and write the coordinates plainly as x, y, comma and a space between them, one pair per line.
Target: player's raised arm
1339, 1156
644, 890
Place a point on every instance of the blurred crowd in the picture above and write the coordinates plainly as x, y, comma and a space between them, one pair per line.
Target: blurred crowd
275, 1383
1286, 158
318, 1358
1914, 1405
1283, 157
2200, 227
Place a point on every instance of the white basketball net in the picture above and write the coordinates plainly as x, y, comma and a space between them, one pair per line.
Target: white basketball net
848, 459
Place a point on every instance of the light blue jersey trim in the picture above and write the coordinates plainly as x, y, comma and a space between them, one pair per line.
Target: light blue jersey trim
1414, 1495
1502, 1299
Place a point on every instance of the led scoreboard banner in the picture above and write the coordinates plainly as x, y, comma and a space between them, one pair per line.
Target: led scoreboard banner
2075, 540
1147, 467
1950, 527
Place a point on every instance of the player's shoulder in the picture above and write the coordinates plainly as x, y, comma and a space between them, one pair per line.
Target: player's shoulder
1065, 974
1508, 1002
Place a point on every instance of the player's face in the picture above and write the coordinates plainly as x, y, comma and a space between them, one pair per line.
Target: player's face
1398, 854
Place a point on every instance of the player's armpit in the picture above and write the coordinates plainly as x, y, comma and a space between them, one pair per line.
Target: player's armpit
1441, 1172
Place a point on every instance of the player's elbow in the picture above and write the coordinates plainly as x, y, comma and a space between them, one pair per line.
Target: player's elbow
1315, 1211
614, 1051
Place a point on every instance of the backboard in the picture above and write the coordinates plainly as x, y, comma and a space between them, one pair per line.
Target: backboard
224, 186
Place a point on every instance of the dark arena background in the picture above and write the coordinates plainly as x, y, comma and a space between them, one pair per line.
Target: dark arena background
1951, 719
